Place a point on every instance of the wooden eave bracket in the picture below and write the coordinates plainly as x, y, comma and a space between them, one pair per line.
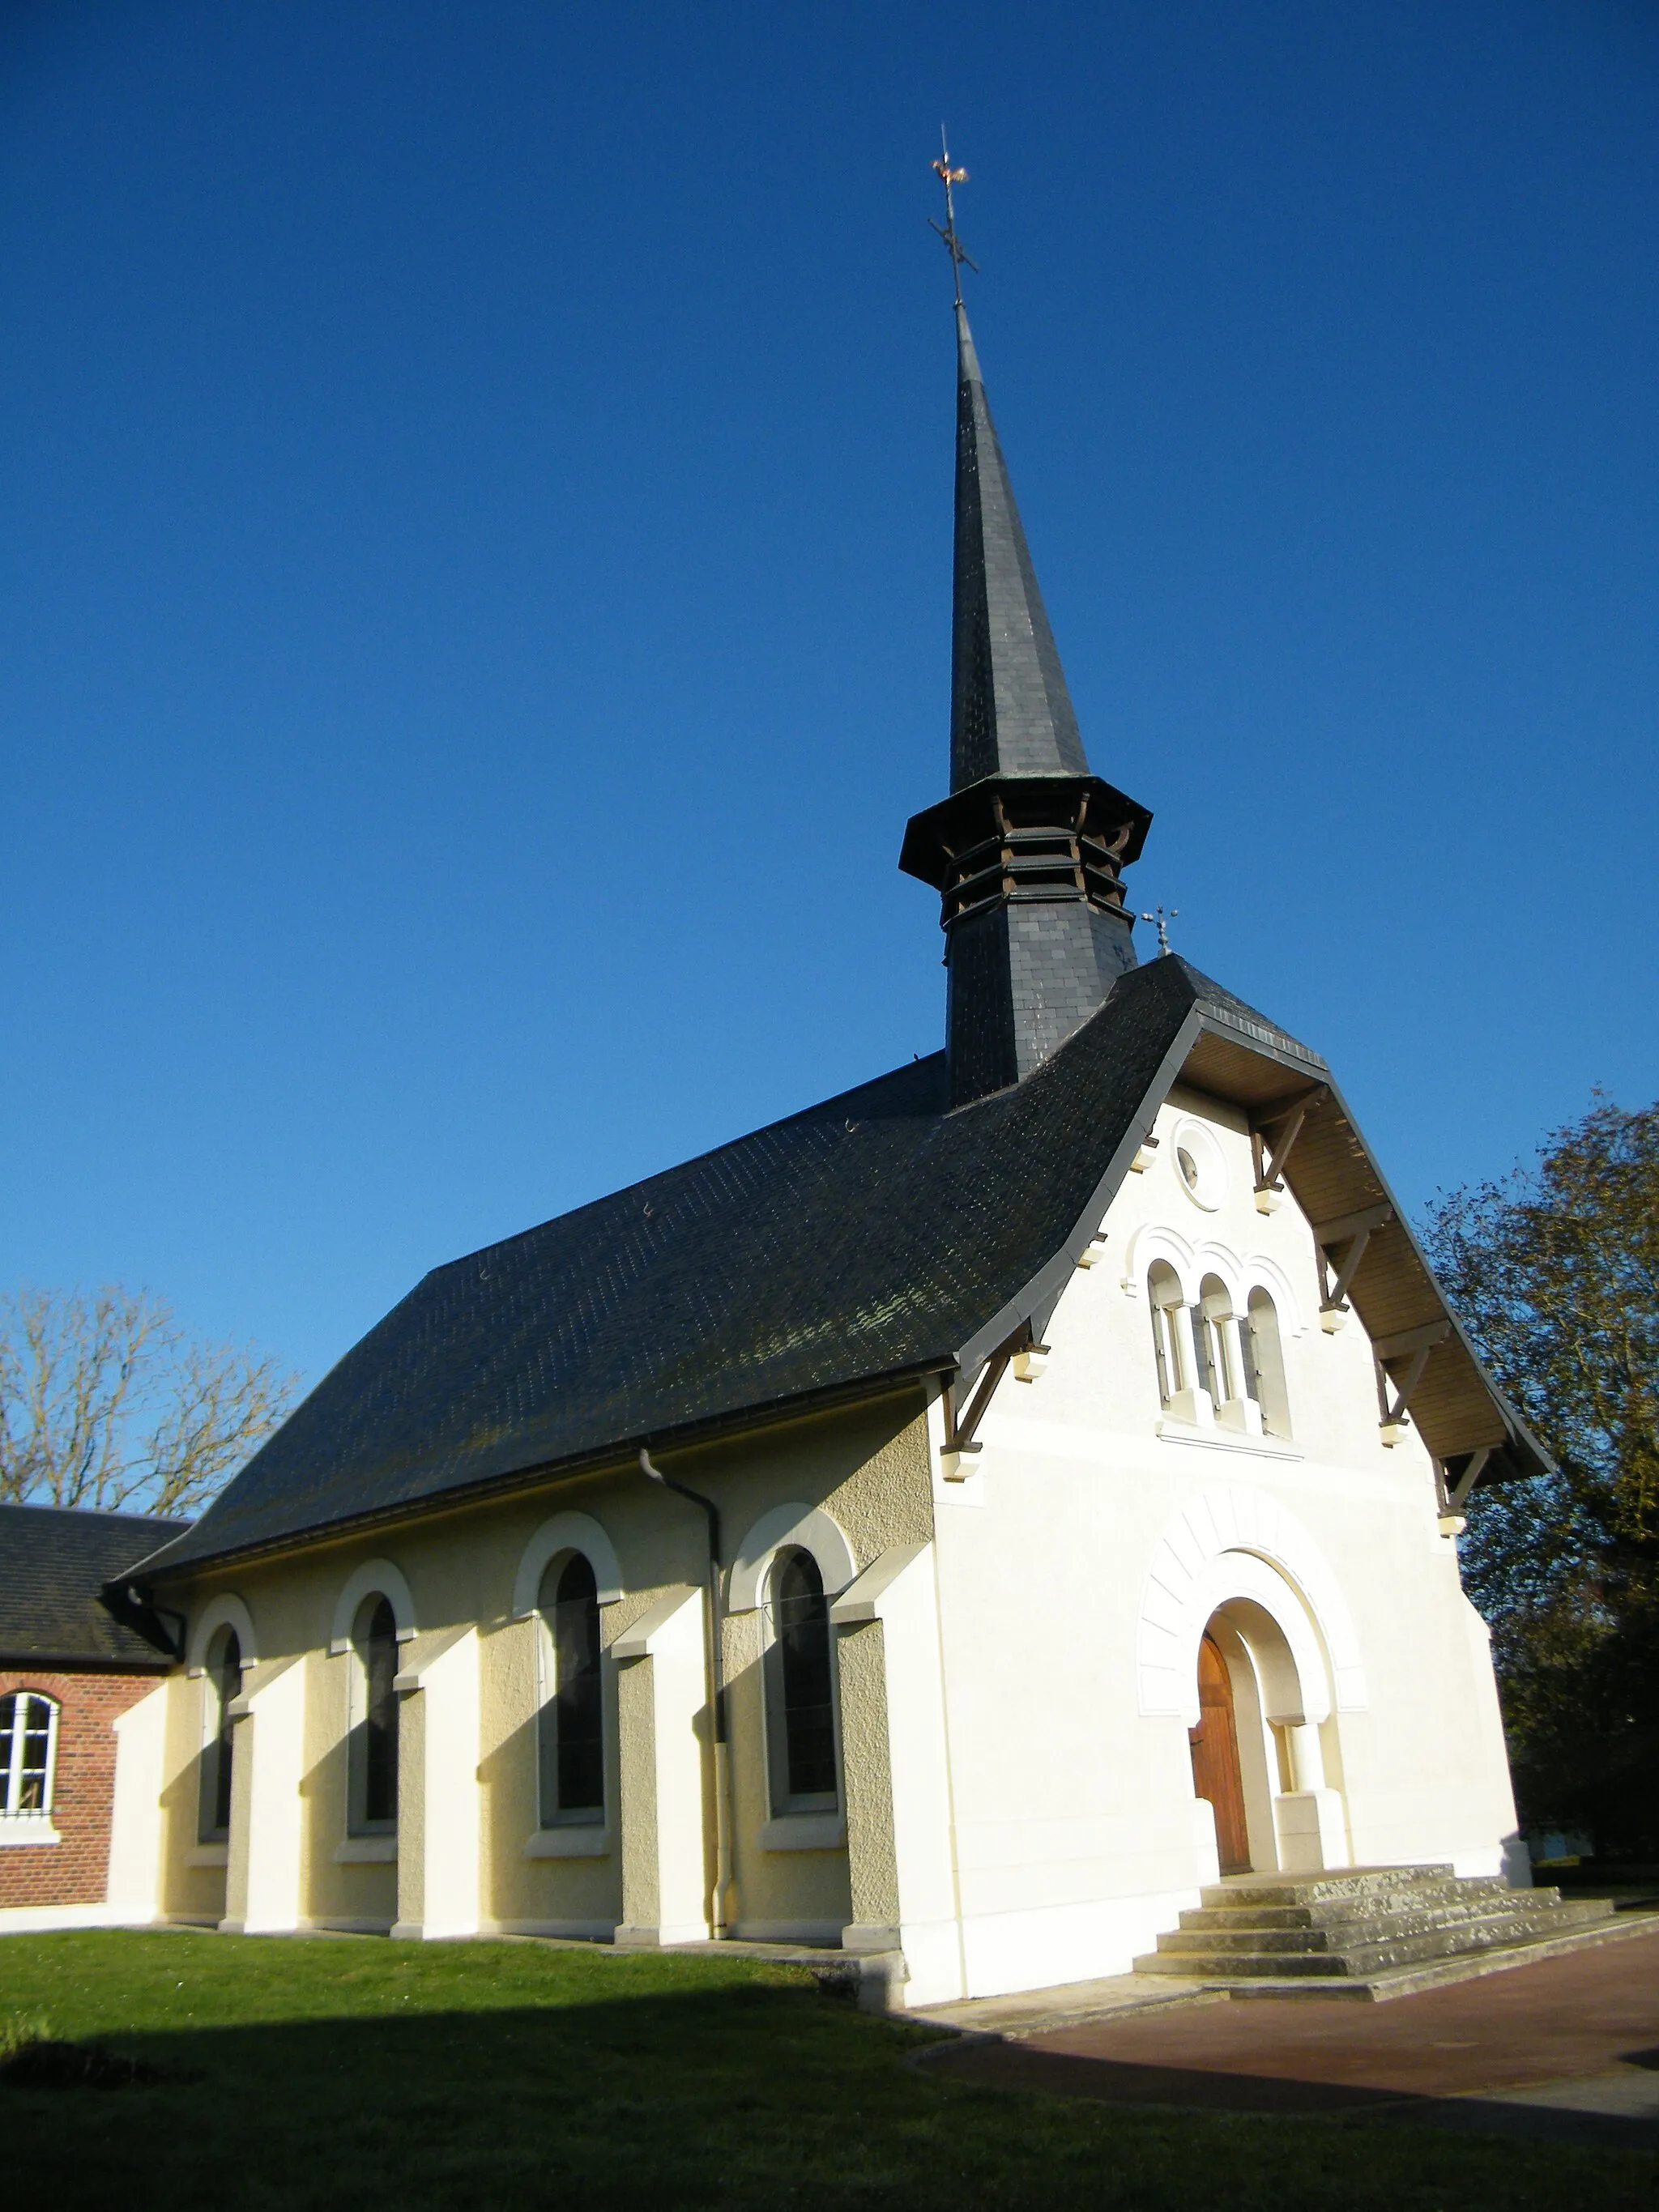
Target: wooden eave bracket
962, 1422
1395, 1392
1271, 1140
1341, 1248
1456, 1497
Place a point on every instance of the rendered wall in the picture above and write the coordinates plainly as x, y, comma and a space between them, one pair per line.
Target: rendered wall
1078, 1834
868, 1467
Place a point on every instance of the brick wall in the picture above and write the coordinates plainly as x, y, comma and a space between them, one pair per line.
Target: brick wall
75, 1870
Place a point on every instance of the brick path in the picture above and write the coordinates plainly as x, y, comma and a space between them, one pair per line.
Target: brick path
1568, 2048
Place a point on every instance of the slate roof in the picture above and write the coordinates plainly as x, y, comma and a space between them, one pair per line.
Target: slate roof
878, 1234
870, 1235
53, 1565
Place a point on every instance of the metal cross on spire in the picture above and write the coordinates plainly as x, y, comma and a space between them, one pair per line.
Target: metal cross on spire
947, 230
1163, 920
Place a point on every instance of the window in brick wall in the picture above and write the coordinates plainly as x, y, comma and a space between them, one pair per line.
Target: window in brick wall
29, 1748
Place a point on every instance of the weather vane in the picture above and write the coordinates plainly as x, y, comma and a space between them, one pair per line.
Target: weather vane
1163, 920
947, 230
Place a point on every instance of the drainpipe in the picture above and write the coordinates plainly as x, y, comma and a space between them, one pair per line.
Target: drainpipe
714, 1681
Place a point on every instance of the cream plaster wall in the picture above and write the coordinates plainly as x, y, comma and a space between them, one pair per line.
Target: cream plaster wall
868, 1467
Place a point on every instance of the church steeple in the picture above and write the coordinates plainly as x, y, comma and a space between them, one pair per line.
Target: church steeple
1026, 851
1010, 713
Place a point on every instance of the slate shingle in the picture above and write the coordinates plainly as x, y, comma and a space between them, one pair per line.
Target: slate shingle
53, 1565
871, 1235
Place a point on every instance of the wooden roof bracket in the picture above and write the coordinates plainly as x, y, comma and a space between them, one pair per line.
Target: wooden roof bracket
1455, 1497
1341, 1248
1395, 1395
962, 1422
1270, 1144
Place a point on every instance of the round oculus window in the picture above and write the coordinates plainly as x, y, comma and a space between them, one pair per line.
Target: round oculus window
1199, 1165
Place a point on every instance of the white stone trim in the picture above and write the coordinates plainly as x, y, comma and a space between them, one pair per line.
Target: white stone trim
807, 1527
862, 1600
1242, 1273
640, 1642
25, 1829
1257, 1272
1186, 1583
35, 1919
367, 1850
1152, 1242
1215, 1438
582, 1840
565, 1532
225, 1611
436, 1648
804, 1831
374, 1578
1208, 1159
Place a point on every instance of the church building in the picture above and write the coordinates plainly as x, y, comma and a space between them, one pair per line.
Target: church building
956, 1525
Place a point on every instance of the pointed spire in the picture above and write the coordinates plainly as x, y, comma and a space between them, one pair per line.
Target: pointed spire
1010, 713
1027, 853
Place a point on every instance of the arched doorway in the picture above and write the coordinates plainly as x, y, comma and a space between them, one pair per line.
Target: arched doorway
1216, 1773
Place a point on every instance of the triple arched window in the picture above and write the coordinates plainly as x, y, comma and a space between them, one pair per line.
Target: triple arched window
371, 1746
800, 1693
28, 1753
571, 1718
1213, 1362
221, 1682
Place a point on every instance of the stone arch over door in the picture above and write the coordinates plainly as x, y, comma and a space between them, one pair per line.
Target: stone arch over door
1233, 1542
1239, 1569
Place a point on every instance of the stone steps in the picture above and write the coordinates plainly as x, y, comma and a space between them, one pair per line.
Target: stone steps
1476, 1895
1411, 1981
1447, 1927
1352, 1926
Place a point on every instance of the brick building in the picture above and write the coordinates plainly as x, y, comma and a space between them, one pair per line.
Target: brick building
68, 1669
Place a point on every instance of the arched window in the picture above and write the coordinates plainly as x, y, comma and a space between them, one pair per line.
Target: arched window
222, 1682
572, 1716
800, 1696
1163, 1296
1264, 1364
28, 1752
372, 1763
1215, 1342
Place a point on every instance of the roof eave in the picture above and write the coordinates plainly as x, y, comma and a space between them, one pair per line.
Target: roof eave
1035, 1303
618, 1454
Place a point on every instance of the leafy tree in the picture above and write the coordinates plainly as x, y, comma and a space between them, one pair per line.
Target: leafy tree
106, 1403
1555, 1271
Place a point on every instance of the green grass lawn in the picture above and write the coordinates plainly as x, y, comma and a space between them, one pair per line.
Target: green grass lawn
368, 2074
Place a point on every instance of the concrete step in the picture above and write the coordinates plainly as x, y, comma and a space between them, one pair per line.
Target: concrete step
1375, 1949
1219, 1967
1315, 1888
1466, 1966
1257, 1932
1347, 1913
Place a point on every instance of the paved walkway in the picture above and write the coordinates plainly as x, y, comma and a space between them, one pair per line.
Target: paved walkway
1568, 2048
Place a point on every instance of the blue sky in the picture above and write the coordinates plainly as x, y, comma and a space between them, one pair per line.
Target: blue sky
474, 586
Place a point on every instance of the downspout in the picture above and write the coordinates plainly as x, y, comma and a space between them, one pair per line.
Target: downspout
714, 1683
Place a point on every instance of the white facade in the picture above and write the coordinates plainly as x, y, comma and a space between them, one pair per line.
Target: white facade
1082, 1552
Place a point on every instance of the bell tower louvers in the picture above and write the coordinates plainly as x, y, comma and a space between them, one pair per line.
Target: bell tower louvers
1026, 851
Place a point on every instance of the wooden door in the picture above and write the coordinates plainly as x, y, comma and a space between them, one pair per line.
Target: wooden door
1215, 1758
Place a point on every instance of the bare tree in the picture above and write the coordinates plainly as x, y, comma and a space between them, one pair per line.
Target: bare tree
106, 1403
